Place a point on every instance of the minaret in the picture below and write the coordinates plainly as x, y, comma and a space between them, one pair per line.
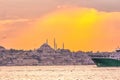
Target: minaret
63, 45
54, 44
46, 41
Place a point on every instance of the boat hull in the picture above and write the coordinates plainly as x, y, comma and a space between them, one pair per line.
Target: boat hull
106, 62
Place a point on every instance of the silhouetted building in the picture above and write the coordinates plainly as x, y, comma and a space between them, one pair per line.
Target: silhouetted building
2, 48
45, 48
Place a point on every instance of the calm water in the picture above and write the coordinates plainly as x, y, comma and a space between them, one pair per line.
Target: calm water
59, 73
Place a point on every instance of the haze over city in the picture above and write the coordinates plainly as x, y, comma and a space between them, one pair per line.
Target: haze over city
81, 24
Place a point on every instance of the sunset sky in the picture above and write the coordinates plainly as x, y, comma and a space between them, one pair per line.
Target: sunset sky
87, 25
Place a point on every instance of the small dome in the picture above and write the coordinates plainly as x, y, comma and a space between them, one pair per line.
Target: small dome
2, 48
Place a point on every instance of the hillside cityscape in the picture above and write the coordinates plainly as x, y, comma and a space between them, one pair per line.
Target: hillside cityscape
46, 55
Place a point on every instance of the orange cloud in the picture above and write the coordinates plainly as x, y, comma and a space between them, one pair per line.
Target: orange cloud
79, 28
12, 21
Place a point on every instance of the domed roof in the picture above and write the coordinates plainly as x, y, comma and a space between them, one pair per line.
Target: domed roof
2, 48
46, 48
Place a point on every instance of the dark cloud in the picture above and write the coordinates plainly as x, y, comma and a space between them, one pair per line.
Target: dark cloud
102, 5
36, 8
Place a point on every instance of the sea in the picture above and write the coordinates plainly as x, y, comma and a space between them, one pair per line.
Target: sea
86, 72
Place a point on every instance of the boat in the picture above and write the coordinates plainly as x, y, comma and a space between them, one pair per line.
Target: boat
111, 60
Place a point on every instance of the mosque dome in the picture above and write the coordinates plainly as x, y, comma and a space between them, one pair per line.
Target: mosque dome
45, 48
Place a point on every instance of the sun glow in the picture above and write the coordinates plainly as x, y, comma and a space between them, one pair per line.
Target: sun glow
79, 28
75, 26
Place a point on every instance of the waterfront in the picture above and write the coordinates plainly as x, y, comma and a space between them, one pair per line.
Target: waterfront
59, 73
